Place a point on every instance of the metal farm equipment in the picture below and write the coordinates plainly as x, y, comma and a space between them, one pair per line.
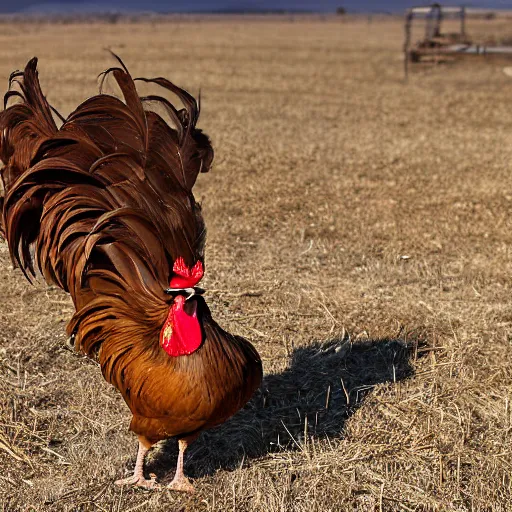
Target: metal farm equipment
435, 44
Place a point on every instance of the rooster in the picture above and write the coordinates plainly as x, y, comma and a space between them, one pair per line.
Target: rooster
103, 208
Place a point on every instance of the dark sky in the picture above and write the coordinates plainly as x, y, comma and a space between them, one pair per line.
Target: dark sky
214, 5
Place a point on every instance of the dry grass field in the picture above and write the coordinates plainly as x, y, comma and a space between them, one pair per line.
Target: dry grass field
360, 234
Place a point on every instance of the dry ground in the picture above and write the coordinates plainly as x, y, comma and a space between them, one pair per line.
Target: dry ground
359, 233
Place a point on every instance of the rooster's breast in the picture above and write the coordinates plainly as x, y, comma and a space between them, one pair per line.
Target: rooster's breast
176, 396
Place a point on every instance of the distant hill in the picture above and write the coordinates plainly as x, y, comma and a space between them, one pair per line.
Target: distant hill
127, 7
220, 6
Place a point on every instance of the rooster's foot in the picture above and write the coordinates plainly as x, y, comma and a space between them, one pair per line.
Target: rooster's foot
139, 481
181, 485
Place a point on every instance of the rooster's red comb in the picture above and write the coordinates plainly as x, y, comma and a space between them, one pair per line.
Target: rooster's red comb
186, 277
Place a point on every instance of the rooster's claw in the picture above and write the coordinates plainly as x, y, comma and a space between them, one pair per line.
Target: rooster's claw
137, 481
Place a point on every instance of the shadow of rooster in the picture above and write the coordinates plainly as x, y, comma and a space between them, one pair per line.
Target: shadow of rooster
323, 386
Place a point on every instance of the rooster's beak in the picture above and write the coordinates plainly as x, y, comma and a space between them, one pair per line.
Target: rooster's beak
188, 293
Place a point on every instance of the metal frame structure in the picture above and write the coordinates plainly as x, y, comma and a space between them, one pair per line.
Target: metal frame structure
434, 41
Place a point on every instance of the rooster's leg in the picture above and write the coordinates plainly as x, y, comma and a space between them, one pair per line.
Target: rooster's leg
180, 482
137, 479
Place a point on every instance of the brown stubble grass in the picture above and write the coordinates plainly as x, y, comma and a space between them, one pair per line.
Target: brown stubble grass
359, 235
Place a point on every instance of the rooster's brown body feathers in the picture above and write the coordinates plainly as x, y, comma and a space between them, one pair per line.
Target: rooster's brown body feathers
103, 207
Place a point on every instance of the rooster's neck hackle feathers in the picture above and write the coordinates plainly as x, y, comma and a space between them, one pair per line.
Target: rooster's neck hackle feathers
103, 205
